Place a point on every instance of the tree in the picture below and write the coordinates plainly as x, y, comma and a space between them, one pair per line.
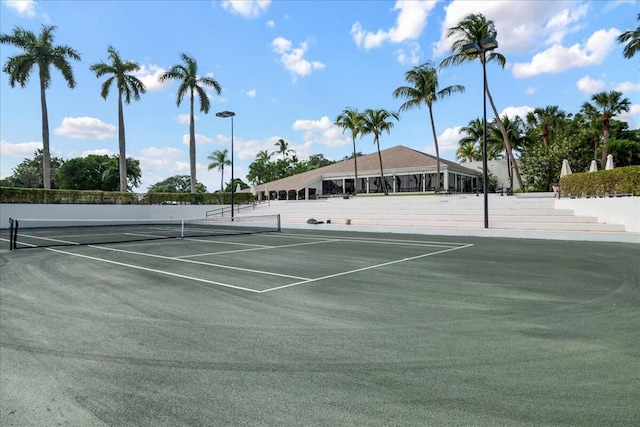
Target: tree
128, 86
96, 172
350, 119
473, 29
375, 122
176, 184
283, 148
28, 174
39, 51
319, 161
423, 89
219, 160
468, 151
547, 120
236, 181
474, 137
191, 84
632, 40
608, 104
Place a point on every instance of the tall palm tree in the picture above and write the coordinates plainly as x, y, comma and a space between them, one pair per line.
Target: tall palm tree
191, 84
375, 122
632, 40
219, 160
474, 135
127, 85
473, 29
423, 89
588, 121
350, 119
283, 148
41, 52
608, 104
547, 119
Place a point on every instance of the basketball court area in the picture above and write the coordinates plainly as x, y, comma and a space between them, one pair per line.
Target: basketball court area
305, 327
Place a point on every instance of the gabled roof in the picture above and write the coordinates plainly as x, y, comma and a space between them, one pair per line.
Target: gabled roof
394, 159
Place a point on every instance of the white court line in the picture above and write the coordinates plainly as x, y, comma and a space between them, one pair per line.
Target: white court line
258, 249
49, 239
376, 240
344, 273
153, 270
227, 267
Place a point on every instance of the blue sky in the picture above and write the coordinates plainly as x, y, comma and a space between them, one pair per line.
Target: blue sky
288, 68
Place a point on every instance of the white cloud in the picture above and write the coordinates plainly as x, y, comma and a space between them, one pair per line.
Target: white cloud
530, 90
628, 87
589, 86
85, 127
293, 58
20, 148
246, 8
251, 93
520, 27
409, 25
632, 116
559, 58
200, 139
161, 152
447, 140
22, 7
322, 132
271, 23
149, 75
185, 118
411, 56
521, 111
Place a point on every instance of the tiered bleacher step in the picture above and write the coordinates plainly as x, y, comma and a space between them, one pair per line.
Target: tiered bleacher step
459, 215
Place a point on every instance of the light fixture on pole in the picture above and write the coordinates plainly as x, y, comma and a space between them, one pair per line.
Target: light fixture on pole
485, 45
224, 115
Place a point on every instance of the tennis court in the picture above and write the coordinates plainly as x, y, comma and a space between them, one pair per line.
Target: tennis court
321, 328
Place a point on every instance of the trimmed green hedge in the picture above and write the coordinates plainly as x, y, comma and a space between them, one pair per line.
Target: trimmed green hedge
38, 195
624, 180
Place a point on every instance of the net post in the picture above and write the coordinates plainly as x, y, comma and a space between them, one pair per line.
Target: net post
279, 225
182, 229
13, 237
10, 234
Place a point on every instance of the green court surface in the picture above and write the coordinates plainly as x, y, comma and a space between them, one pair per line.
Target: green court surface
312, 328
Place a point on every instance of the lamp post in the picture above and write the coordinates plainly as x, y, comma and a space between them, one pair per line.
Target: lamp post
485, 45
224, 115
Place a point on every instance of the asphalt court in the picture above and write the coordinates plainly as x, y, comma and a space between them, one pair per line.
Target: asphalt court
263, 262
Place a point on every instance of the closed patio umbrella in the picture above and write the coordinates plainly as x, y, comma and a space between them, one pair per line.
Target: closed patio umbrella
609, 164
594, 166
566, 169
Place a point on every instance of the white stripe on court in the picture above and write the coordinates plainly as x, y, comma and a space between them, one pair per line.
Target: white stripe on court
227, 267
371, 267
153, 270
49, 239
373, 240
257, 249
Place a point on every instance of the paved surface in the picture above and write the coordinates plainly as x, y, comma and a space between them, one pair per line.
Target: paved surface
371, 330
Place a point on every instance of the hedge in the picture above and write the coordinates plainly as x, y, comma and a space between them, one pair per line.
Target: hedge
39, 195
618, 181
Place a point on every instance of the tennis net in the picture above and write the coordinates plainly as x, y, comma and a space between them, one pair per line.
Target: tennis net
31, 233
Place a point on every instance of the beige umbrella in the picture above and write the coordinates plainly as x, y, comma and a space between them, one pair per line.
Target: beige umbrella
609, 164
594, 166
566, 169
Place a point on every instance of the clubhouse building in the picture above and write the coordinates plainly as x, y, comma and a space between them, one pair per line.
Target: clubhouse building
405, 171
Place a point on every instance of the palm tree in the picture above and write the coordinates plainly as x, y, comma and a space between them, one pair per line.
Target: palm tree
41, 52
474, 136
128, 85
608, 104
219, 160
473, 29
468, 151
375, 122
423, 88
191, 84
350, 119
548, 119
632, 39
283, 148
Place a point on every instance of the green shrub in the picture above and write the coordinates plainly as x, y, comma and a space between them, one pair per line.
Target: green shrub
624, 180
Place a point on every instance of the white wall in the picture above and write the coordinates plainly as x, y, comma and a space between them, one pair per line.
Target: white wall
69, 211
613, 210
